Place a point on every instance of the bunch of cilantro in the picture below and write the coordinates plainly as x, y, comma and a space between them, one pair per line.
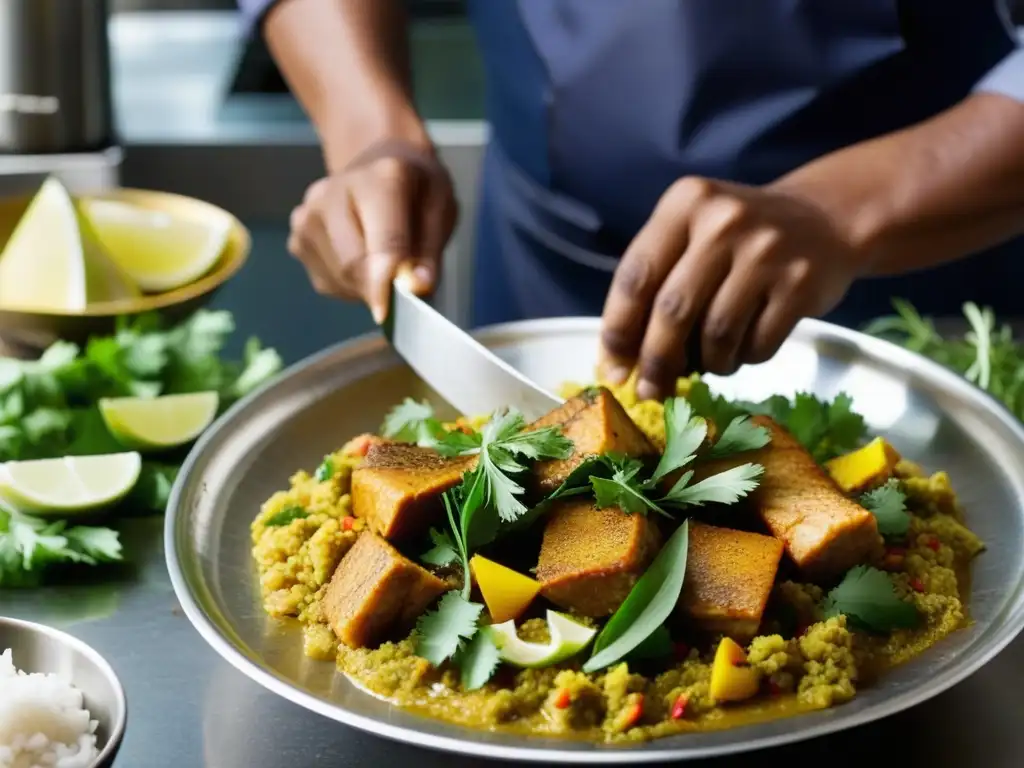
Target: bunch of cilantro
48, 408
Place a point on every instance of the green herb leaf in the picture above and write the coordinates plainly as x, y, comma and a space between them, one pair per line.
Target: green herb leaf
648, 605
444, 550
726, 487
325, 471
658, 645
740, 436
888, 504
440, 633
867, 598
684, 434
285, 516
404, 421
478, 661
715, 408
826, 429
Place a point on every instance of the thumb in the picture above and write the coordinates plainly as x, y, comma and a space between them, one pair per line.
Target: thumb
383, 216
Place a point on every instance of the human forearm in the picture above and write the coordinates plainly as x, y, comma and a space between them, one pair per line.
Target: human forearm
932, 193
347, 63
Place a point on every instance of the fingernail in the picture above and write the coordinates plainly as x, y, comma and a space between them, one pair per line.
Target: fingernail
646, 390
615, 373
378, 314
424, 277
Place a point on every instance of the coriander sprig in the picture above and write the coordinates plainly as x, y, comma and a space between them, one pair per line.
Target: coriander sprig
888, 504
685, 432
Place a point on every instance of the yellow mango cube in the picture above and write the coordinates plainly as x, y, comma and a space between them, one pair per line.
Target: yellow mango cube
732, 678
507, 593
864, 468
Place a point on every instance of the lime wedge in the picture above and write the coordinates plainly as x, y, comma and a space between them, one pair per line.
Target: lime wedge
70, 484
155, 423
53, 261
567, 638
158, 250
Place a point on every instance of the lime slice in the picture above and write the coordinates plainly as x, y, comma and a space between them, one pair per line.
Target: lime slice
53, 261
70, 484
155, 423
158, 250
568, 638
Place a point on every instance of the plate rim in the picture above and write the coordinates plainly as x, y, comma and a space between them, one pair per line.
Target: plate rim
999, 634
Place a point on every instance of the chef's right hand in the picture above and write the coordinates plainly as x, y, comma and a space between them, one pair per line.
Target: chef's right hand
393, 204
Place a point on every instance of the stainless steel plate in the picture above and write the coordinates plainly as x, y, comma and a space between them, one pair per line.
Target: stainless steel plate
931, 415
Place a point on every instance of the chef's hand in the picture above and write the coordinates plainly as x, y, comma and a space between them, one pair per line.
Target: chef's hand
723, 268
393, 204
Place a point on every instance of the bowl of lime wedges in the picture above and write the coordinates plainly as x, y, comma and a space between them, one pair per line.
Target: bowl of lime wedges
69, 266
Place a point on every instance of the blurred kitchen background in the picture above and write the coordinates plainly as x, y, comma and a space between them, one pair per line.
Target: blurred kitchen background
201, 110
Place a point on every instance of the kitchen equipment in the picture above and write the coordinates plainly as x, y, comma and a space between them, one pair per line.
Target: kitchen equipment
931, 415
457, 366
38, 648
55, 94
27, 332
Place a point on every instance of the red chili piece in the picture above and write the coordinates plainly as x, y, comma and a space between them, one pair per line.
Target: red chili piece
933, 544
635, 712
348, 523
563, 699
773, 688
917, 585
679, 708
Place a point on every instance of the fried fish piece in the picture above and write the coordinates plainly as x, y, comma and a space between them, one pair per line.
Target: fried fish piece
596, 423
375, 590
729, 578
397, 488
590, 558
825, 533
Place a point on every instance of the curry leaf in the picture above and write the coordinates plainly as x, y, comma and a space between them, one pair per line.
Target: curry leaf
648, 605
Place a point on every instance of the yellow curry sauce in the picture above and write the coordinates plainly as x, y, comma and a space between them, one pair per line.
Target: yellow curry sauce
819, 665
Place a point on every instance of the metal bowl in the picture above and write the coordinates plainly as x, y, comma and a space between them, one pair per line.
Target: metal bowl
931, 415
38, 648
32, 331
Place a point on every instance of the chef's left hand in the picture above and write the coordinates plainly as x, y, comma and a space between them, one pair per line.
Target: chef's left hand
737, 265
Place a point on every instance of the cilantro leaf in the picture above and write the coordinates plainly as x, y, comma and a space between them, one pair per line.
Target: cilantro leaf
440, 633
740, 436
285, 517
726, 487
478, 660
684, 434
98, 545
888, 504
715, 408
403, 422
648, 605
867, 598
622, 489
825, 428
443, 552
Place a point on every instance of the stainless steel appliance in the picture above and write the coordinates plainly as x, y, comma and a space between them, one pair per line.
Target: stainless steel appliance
55, 94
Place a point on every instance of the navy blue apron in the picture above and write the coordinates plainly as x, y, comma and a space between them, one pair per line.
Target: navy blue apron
597, 106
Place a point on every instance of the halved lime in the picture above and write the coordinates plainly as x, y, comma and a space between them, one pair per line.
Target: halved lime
156, 423
53, 261
68, 485
567, 638
160, 251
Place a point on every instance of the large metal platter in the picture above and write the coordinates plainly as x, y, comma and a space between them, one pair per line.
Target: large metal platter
931, 415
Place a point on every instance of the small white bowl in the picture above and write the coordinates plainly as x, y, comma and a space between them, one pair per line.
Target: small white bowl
38, 648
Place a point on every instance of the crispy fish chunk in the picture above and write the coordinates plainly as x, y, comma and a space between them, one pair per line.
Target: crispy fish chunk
596, 423
397, 488
825, 532
374, 590
590, 558
729, 578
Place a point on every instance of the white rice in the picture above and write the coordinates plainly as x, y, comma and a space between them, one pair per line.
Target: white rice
43, 721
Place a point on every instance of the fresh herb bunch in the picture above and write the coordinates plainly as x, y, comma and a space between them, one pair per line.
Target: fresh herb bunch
622, 483
30, 546
987, 355
49, 408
